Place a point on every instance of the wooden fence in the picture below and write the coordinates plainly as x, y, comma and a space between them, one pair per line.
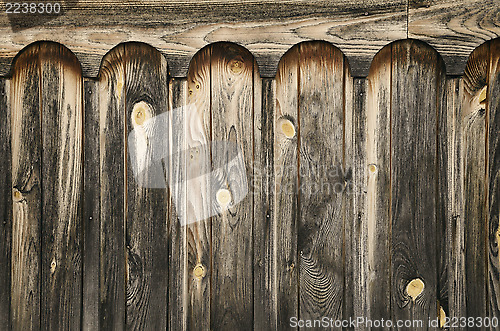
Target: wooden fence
371, 197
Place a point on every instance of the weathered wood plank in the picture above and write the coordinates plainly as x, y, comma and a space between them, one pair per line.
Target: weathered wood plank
286, 186
348, 194
27, 195
474, 185
5, 204
177, 165
62, 183
493, 177
454, 232
232, 98
199, 231
112, 174
181, 28
359, 219
91, 207
376, 234
416, 77
263, 186
454, 28
322, 181
146, 96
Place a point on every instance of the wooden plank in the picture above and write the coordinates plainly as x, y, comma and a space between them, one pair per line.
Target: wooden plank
112, 174
91, 208
286, 189
180, 28
415, 95
376, 234
454, 28
5, 204
199, 231
444, 229
493, 178
62, 182
232, 97
146, 96
359, 184
27, 196
454, 234
263, 186
474, 185
348, 194
322, 181
178, 272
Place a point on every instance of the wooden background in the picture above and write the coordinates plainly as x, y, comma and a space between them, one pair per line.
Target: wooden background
360, 190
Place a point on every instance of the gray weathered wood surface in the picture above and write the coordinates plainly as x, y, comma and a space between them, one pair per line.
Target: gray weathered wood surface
266, 28
373, 198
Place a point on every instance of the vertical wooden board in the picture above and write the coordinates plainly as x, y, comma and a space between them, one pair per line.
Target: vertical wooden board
232, 230
146, 96
62, 115
322, 181
112, 174
5, 204
493, 173
286, 186
199, 235
177, 271
474, 185
91, 207
359, 184
376, 234
416, 72
348, 193
443, 205
454, 234
262, 186
27, 196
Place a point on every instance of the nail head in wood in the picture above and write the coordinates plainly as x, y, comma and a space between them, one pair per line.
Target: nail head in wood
199, 271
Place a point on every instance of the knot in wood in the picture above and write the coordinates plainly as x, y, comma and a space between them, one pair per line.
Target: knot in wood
415, 288
223, 197
199, 271
288, 128
236, 66
141, 113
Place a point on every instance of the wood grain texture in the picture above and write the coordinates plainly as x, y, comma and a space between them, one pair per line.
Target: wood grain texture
181, 28
61, 179
376, 235
26, 191
454, 28
286, 187
5, 204
199, 233
112, 173
91, 208
146, 84
232, 98
454, 235
359, 184
493, 178
178, 274
417, 73
322, 177
475, 185
264, 209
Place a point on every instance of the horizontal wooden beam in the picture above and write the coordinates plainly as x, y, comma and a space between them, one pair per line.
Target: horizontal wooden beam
267, 28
